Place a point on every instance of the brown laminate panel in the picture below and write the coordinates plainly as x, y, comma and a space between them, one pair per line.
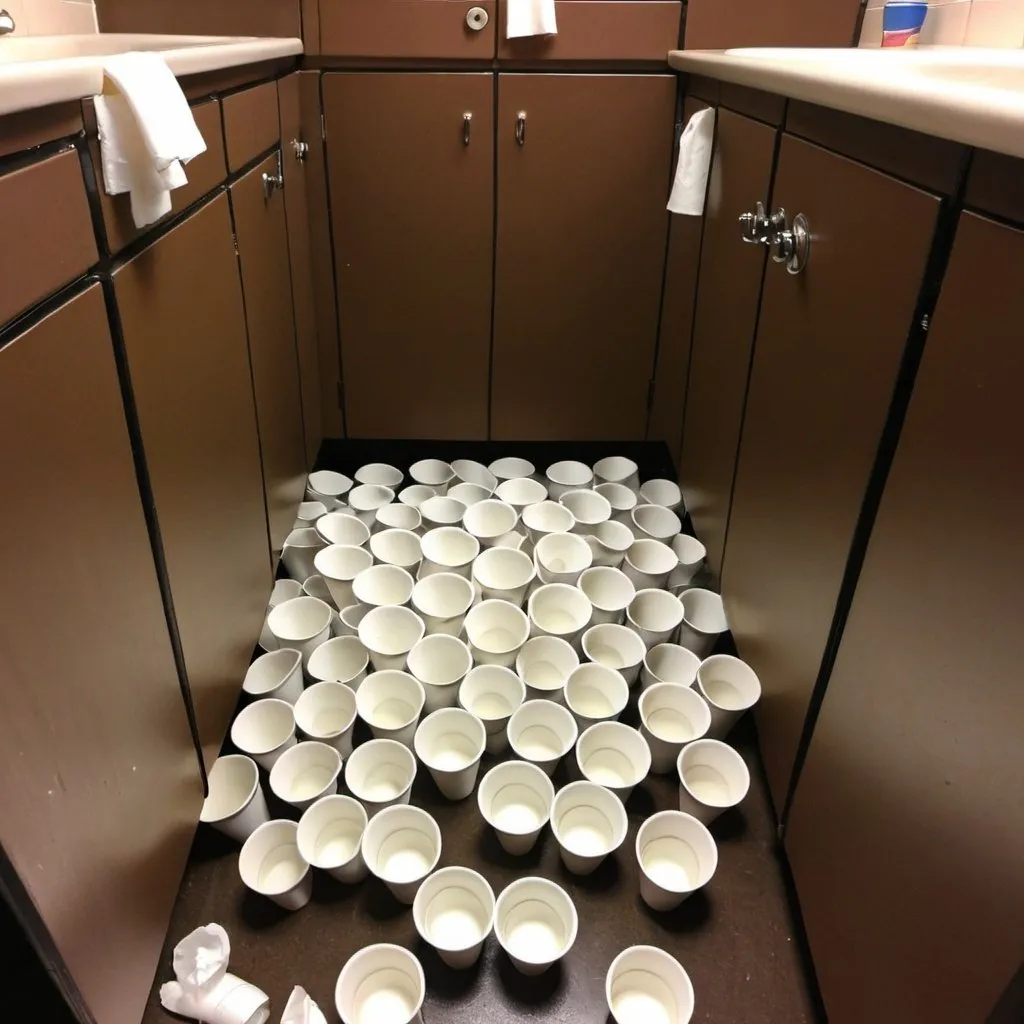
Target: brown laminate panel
720, 24
180, 302
209, 83
668, 400
296, 204
406, 28
202, 17
322, 255
204, 173
251, 124
996, 185
922, 159
905, 835
638, 30
723, 333
311, 26
262, 233
580, 253
829, 345
99, 782
763, 106
45, 208
414, 244
701, 88
25, 129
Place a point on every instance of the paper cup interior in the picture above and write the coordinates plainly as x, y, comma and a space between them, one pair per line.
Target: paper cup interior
299, 619
651, 557
415, 494
670, 663
656, 521
468, 493
379, 473
595, 691
443, 595
454, 909
564, 553
559, 609
270, 862
655, 610
613, 755
340, 659
511, 467
367, 497
472, 472
431, 472
440, 660
449, 740
342, 529
548, 517
401, 844
233, 781
381, 984
613, 646
588, 820
325, 710
704, 611
606, 588
674, 713
503, 569
676, 851
662, 492
380, 770
713, 773
520, 492
263, 726
397, 547
390, 630
330, 831
516, 797
615, 469
450, 546
389, 700
646, 985
496, 627
588, 507
270, 670
546, 662
728, 683
535, 920
541, 730
569, 473
326, 481
303, 772
398, 516
490, 518
442, 511
492, 693
383, 586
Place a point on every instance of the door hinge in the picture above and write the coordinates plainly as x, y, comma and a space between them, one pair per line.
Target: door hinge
234, 242
926, 322
323, 128
341, 395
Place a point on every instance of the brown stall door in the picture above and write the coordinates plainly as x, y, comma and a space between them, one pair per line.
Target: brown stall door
296, 204
580, 253
906, 835
412, 210
727, 299
266, 281
829, 344
720, 24
99, 782
181, 309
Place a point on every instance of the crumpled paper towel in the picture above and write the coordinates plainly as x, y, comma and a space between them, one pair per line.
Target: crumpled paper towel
301, 1009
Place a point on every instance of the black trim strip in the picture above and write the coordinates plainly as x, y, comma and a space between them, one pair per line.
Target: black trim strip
27, 157
495, 199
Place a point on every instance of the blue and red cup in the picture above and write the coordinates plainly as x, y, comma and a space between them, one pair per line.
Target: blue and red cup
901, 23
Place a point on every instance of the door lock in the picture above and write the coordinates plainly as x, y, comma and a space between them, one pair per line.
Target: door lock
791, 246
477, 19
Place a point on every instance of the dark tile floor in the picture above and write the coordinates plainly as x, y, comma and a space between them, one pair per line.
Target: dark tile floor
737, 938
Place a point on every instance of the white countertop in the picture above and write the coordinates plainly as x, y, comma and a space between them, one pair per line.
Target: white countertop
38, 70
966, 94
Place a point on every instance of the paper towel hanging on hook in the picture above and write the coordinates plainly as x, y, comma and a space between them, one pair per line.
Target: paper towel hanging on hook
695, 149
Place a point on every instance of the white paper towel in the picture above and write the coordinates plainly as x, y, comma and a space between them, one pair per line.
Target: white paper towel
691, 180
530, 18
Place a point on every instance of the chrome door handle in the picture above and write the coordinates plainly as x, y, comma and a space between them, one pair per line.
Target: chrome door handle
467, 127
792, 246
754, 227
272, 182
521, 128
300, 149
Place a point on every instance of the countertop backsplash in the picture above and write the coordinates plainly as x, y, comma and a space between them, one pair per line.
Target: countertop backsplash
52, 17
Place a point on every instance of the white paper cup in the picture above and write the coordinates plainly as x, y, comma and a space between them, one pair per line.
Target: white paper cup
589, 822
610, 591
264, 730
450, 742
270, 864
703, 620
511, 468
390, 702
559, 610
235, 804
401, 846
615, 756
730, 687
535, 923
389, 634
379, 473
469, 471
381, 984
469, 494
616, 647
655, 522
492, 693
350, 618
561, 557
300, 548
383, 586
617, 469
655, 616
441, 600
677, 856
662, 492
397, 547
542, 733
302, 623
610, 541
490, 519
327, 712
547, 517
588, 508
568, 476
496, 630
595, 693
275, 674
343, 529
228, 1000
645, 984
433, 473
544, 664
521, 492
448, 549
309, 512
339, 565
327, 486
690, 555
316, 586
671, 715
440, 663
503, 574
306, 772
397, 516
622, 500
669, 663
515, 799
712, 778
454, 912
330, 837
283, 590
648, 563
365, 499
415, 495
513, 539
438, 512
380, 774
342, 659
